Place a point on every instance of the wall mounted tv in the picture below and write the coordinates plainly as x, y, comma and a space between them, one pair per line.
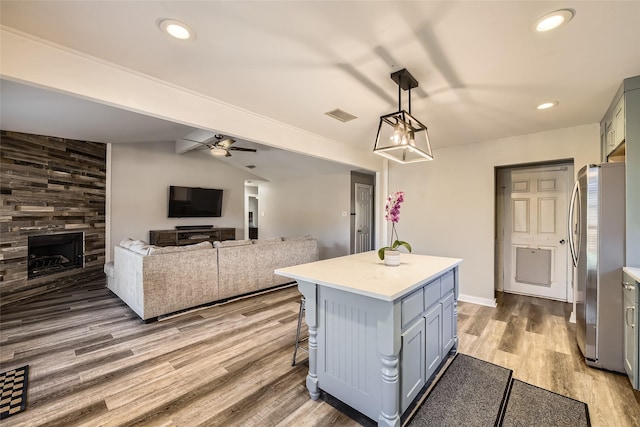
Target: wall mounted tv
189, 202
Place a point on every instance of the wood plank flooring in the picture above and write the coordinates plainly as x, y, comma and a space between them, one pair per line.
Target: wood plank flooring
93, 362
533, 337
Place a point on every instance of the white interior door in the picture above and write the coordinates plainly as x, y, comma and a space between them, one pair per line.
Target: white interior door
364, 217
536, 260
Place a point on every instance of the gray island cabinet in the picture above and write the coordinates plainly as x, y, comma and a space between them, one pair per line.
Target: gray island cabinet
377, 334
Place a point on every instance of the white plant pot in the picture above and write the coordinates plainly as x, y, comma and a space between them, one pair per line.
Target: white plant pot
392, 258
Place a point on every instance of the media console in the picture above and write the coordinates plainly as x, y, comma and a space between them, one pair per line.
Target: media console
190, 236
192, 227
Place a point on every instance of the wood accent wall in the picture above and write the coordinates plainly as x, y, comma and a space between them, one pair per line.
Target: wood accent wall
49, 185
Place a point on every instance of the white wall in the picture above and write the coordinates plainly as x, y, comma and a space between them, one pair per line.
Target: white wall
140, 178
312, 205
449, 207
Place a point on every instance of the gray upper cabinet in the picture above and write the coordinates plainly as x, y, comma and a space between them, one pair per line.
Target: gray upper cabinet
618, 124
620, 139
614, 128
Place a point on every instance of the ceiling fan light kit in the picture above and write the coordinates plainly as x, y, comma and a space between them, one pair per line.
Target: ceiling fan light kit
401, 137
218, 151
220, 146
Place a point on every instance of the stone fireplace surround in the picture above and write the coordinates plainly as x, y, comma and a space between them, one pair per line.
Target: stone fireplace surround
49, 186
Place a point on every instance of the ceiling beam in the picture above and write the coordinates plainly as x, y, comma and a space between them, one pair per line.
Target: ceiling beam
37, 62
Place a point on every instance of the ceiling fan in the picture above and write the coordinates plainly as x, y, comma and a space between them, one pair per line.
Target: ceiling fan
221, 145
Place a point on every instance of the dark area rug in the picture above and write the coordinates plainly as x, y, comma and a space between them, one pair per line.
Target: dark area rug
471, 392
529, 405
14, 391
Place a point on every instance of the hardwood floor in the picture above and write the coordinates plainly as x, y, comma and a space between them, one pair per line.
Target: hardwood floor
93, 362
533, 337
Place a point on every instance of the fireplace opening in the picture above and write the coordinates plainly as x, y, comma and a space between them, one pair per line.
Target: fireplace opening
52, 253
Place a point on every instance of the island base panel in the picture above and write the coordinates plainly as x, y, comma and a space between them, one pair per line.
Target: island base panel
348, 363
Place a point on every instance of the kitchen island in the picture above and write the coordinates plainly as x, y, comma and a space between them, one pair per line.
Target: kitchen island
377, 334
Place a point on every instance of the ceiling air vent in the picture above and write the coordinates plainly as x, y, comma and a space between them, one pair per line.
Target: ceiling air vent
251, 166
341, 115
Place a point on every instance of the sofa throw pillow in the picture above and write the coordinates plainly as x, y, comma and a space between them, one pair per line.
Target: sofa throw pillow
140, 247
260, 241
231, 243
127, 242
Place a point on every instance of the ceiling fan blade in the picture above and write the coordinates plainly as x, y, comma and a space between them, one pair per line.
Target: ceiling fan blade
252, 150
203, 145
228, 154
224, 141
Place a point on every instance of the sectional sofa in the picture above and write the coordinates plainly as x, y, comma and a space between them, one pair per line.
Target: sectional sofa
154, 281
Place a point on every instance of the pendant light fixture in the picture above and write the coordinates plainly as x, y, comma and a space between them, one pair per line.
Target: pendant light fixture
401, 137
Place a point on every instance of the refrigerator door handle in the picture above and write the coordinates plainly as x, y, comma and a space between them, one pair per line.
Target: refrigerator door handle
572, 244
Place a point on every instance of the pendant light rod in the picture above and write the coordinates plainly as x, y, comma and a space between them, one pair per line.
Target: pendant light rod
405, 81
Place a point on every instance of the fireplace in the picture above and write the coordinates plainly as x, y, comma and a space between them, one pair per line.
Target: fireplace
52, 253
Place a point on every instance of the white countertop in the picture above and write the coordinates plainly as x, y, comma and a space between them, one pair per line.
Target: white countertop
633, 272
365, 274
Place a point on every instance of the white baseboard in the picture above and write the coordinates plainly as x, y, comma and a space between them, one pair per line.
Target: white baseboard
475, 300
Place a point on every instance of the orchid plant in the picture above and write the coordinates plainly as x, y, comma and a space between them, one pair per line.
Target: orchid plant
392, 214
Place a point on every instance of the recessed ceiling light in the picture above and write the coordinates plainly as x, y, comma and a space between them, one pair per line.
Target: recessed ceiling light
547, 105
177, 29
554, 19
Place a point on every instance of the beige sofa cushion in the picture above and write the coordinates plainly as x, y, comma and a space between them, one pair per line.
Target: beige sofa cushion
297, 238
250, 268
261, 241
157, 250
231, 243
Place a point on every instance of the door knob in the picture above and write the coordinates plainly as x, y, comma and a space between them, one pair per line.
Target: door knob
562, 242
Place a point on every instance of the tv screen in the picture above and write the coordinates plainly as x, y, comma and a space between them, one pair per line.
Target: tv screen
187, 202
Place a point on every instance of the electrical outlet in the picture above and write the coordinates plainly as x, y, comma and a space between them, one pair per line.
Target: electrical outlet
344, 213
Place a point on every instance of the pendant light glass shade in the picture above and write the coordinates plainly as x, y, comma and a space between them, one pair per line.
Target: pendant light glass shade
401, 137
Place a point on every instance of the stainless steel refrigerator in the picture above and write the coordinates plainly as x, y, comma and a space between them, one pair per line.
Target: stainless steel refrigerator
597, 233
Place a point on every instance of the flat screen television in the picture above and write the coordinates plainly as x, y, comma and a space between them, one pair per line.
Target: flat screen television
188, 202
